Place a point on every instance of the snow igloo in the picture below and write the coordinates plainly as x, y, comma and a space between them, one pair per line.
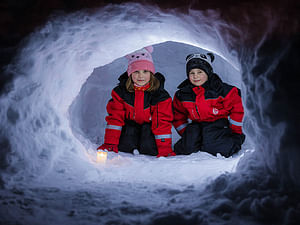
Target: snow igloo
52, 120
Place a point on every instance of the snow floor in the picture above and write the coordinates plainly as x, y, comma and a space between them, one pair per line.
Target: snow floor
126, 189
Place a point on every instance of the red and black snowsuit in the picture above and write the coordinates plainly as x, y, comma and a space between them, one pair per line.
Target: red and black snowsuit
140, 120
216, 112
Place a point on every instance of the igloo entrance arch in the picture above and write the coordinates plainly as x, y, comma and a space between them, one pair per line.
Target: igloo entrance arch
88, 111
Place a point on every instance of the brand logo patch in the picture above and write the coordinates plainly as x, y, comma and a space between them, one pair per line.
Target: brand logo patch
215, 111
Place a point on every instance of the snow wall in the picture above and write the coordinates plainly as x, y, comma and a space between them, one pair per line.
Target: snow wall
38, 132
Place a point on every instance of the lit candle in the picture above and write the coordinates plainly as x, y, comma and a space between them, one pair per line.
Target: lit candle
101, 156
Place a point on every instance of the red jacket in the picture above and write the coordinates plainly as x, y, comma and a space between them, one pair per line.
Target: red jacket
211, 101
141, 107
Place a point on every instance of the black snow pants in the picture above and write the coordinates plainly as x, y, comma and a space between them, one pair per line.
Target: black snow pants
137, 136
212, 137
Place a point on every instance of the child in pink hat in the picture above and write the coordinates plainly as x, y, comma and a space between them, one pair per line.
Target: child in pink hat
140, 60
140, 110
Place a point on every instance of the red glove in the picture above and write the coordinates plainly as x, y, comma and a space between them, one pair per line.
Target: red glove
164, 147
165, 152
109, 147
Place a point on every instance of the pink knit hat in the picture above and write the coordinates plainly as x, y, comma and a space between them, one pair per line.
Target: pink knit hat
140, 60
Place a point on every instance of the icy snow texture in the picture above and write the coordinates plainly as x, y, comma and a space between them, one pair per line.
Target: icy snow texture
47, 155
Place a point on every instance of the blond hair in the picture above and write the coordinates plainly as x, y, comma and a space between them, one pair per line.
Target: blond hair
154, 84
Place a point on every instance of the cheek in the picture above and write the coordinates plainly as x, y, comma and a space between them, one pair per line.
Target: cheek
203, 77
148, 78
133, 77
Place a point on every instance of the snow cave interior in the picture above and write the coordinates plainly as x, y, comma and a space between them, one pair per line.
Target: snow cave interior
53, 119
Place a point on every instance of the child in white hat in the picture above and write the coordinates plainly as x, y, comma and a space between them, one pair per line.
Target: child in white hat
214, 108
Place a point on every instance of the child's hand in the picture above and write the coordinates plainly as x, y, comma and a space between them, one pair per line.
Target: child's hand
166, 155
109, 147
165, 152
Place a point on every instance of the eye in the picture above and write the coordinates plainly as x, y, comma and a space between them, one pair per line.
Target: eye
132, 56
143, 54
203, 56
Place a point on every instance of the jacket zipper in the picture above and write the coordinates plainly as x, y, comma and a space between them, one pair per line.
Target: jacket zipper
197, 111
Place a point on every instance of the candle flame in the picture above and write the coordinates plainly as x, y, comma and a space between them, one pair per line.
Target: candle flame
101, 156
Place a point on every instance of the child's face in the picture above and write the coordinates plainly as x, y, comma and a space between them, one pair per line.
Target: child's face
141, 77
197, 77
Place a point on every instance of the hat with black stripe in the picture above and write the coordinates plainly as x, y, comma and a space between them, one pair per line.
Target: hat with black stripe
200, 61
